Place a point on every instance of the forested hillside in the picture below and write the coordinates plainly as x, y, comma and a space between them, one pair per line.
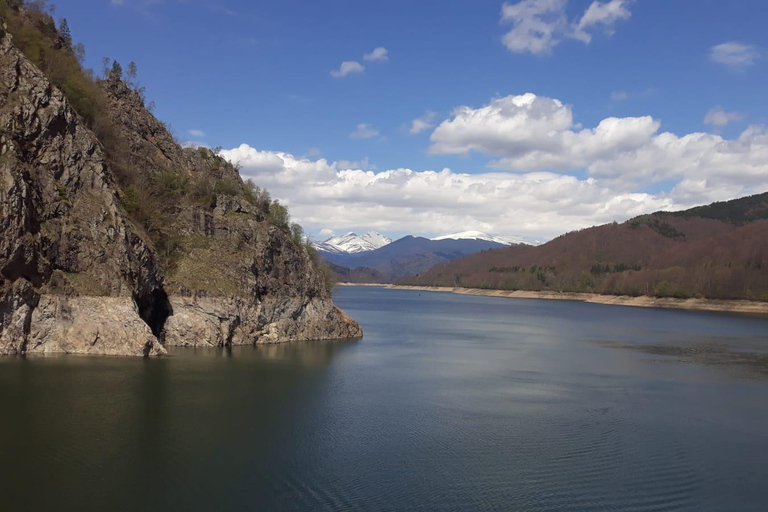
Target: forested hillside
718, 251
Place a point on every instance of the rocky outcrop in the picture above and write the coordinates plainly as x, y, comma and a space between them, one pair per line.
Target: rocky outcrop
215, 321
79, 273
238, 278
90, 325
62, 233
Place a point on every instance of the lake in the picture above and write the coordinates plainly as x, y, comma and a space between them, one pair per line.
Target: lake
450, 402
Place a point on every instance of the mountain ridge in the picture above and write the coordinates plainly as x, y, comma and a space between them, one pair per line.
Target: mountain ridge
409, 255
716, 251
352, 243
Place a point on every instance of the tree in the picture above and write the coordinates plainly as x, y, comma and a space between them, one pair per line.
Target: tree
38, 6
117, 71
278, 214
64, 32
132, 70
297, 233
79, 51
105, 66
130, 77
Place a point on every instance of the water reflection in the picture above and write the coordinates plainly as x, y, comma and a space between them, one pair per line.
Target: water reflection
449, 403
310, 354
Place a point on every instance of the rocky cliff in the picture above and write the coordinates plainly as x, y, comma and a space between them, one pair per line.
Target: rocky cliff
127, 245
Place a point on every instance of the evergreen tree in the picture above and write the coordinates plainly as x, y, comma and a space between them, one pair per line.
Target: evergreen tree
117, 70
66, 35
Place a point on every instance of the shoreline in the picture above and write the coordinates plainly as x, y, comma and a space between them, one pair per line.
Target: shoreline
711, 305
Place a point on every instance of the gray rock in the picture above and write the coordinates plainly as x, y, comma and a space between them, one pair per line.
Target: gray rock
78, 274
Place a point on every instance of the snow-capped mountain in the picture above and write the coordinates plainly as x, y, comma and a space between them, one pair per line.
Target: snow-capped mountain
352, 243
478, 235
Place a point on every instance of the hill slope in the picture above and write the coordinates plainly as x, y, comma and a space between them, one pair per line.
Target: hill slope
718, 251
116, 240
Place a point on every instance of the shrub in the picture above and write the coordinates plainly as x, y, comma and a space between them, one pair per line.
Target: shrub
170, 183
297, 233
278, 214
132, 199
227, 187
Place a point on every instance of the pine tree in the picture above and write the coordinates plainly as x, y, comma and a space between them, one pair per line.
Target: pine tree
117, 70
64, 32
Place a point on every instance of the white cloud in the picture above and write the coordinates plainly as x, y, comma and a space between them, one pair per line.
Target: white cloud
550, 175
347, 68
327, 196
536, 25
380, 54
197, 133
363, 131
425, 122
719, 117
530, 133
602, 14
734, 54
539, 25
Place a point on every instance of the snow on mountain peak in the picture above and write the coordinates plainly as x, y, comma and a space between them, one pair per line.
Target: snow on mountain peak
352, 243
479, 235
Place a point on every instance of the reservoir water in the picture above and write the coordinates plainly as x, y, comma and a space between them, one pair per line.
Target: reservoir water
450, 402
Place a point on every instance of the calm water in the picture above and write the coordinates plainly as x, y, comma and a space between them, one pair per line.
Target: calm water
449, 403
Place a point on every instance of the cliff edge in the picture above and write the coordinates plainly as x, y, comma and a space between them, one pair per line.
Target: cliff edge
116, 240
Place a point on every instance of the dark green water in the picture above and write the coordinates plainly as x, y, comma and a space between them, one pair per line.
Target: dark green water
449, 403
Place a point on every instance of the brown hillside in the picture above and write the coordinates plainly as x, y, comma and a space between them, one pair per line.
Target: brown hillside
718, 251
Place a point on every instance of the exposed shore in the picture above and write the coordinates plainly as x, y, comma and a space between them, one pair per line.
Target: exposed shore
727, 306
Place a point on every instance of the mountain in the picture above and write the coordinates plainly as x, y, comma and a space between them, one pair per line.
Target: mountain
351, 243
115, 239
719, 251
478, 235
407, 256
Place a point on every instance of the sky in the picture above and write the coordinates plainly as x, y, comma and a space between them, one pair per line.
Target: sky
529, 118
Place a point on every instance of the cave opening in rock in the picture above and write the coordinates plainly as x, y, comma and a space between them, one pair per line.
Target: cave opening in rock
154, 309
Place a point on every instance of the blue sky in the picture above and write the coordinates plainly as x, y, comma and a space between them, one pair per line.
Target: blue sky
260, 73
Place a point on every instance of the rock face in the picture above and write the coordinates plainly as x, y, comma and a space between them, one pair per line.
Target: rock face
79, 273
62, 233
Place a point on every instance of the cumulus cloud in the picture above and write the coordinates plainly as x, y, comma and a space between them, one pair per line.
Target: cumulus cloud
531, 133
539, 25
363, 131
423, 123
348, 67
380, 54
328, 197
549, 175
719, 117
734, 54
